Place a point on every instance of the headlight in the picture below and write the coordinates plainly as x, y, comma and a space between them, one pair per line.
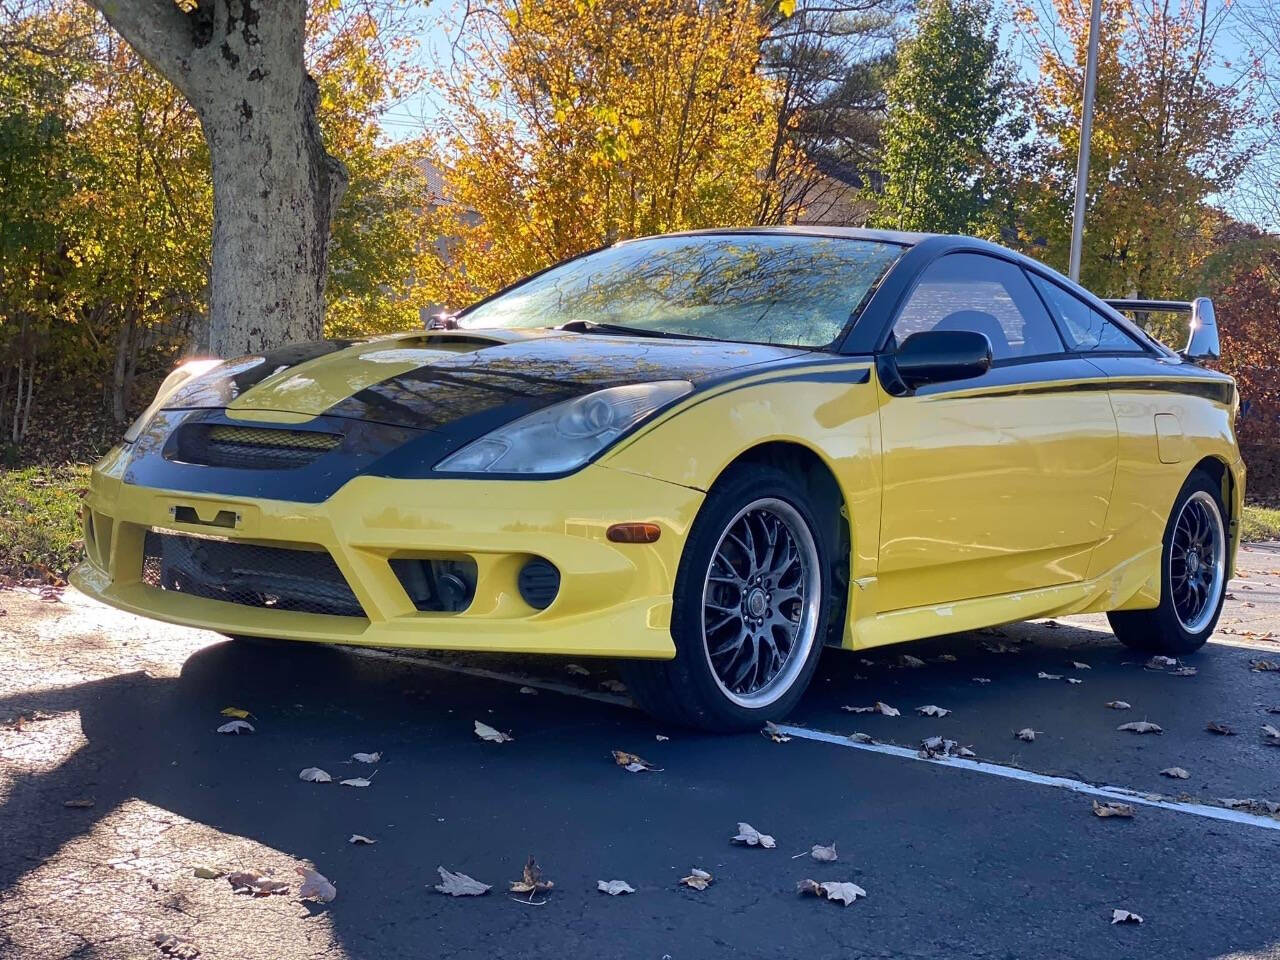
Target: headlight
563, 437
187, 371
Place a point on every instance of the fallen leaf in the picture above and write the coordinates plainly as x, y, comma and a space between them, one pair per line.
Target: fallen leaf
243, 881
1080, 666
1074, 680
632, 763
366, 757
698, 879
171, 946
1271, 735
360, 838
315, 885
823, 854
613, 686
577, 671
1026, 733
1274, 709
314, 775
236, 712
1260, 666
531, 880
207, 873
981, 679
614, 887
529, 690
753, 838
660, 738
907, 660
839, 891
79, 803
773, 733
355, 782
1159, 663
1215, 726
929, 710
1048, 676
999, 647
1177, 773
459, 884
1184, 672
1118, 705
945, 658
965, 752
486, 732
1112, 809
1124, 916
860, 738
236, 727
1141, 726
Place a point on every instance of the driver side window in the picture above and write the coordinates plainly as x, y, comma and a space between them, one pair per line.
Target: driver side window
970, 291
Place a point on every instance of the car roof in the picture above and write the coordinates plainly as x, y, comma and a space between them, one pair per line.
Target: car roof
904, 237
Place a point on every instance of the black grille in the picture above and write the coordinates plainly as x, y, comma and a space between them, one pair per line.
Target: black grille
250, 448
277, 578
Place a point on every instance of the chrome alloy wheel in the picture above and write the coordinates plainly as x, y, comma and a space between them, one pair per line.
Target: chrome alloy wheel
1197, 561
760, 602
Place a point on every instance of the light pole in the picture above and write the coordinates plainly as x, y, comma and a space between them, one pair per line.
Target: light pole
1086, 132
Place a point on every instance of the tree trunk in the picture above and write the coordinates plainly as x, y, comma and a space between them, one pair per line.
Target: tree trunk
275, 188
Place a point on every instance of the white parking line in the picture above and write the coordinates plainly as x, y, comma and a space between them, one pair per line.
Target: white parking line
1122, 794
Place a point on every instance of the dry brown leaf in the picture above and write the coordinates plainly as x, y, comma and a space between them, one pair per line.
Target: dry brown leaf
823, 854
235, 712
366, 757
981, 679
244, 881
531, 880
773, 733
207, 873
945, 658
315, 885
1118, 705
861, 738
314, 775
929, 710
577, 671
752, 837
1177, 773
1074, 680
1124, 916
356, 782
529, 691
1110, 809
1260, 666
614, 887
1080, 666
907, 660
1048, 676
1184, 672
1221, 729
171, 946
236, 727
1159, 663
698, 879
1026, 733
839, 891
661, 738
361, 839
1141, 726
632, 763
1270, 735
613, 686
486, 732
459, 884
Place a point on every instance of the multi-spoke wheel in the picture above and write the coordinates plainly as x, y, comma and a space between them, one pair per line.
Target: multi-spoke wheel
749, 610
1193, 576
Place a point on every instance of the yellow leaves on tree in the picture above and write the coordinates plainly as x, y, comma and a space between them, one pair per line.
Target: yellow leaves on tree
1162, 142
573, 125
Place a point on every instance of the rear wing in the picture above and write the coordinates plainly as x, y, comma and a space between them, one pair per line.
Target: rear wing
1202, 338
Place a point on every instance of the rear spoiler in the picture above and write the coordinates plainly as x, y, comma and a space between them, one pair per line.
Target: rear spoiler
1202, 339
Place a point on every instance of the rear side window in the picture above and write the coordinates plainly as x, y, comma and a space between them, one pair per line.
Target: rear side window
970, 291
1086, 330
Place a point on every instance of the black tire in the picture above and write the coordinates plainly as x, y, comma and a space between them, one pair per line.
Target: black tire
267, 643
1162, 630
686, 690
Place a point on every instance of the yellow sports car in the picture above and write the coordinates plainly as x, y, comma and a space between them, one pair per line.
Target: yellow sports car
704, 454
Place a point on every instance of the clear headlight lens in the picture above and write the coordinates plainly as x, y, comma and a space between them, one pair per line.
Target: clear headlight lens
185, 372
563, 437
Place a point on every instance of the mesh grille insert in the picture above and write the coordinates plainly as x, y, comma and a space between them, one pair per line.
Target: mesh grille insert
277, 578
251, 448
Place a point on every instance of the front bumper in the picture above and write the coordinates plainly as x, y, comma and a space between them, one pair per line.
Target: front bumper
614, 599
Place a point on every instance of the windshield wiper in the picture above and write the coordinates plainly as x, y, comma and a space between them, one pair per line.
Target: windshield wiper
591, 326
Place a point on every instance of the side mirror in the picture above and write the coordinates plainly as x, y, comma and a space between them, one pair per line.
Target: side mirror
937, 356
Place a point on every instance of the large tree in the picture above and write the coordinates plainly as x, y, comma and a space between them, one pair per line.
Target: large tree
946, 131
240, 65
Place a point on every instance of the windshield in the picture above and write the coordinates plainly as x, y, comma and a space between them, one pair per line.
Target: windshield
762, 288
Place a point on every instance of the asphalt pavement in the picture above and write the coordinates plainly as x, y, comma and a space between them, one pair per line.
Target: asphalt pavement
116, 716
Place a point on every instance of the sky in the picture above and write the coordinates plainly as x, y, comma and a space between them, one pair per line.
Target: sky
438, 23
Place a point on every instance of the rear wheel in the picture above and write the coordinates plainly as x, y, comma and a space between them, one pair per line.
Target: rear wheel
1193, 576
749, 608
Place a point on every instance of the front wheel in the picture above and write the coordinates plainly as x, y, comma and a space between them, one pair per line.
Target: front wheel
749, 608
1193, 576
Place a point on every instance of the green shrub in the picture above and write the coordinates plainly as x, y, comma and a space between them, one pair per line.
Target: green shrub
41, 536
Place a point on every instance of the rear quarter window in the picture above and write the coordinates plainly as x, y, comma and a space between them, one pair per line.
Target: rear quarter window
1085, 329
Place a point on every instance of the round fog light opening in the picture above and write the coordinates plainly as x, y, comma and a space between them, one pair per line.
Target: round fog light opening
538, 582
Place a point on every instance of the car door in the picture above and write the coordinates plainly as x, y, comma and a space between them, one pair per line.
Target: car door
998, 483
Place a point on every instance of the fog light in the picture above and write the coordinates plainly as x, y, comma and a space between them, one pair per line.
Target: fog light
538, 582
